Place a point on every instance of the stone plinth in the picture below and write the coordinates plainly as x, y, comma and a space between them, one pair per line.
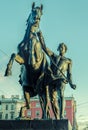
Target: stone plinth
35, 125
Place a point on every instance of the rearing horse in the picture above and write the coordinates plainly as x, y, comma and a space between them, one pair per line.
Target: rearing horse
33, 61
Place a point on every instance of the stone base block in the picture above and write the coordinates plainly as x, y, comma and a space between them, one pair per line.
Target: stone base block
35, 125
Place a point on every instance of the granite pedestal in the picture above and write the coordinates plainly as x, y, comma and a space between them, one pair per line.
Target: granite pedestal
35, 125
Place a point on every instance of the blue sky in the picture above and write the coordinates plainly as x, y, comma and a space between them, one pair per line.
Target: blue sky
62, 21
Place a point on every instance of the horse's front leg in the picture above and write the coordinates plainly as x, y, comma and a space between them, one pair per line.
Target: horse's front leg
19, 59
13, 57
9, 65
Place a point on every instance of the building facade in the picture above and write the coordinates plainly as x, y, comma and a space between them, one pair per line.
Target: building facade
10, 107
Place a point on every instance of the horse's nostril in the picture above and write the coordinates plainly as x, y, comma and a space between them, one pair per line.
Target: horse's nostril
34, 17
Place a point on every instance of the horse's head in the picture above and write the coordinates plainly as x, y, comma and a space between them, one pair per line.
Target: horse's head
35, 16
33, 20
32, 27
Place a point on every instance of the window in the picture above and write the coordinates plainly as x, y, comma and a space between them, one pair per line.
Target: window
12, 107
37, 104
29, 113
37, 113
6, 107
65, 113
12, 115
0, 107
6, 116
0, 115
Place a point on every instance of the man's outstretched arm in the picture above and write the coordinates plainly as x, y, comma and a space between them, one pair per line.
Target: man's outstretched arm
69, 75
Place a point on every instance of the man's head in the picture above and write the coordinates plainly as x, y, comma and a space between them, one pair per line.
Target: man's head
62, 48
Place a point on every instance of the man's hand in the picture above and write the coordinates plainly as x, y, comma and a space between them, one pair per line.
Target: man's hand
39, 33
73, 86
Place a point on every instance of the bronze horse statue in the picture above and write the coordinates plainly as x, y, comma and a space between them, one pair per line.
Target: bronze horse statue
34, 63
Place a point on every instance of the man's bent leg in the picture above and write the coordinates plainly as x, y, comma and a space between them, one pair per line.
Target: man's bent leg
54, 103
62, 103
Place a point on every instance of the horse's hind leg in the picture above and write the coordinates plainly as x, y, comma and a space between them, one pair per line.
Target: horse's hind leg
27, 99
47, 105
27, 106
43, 104
21, 113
